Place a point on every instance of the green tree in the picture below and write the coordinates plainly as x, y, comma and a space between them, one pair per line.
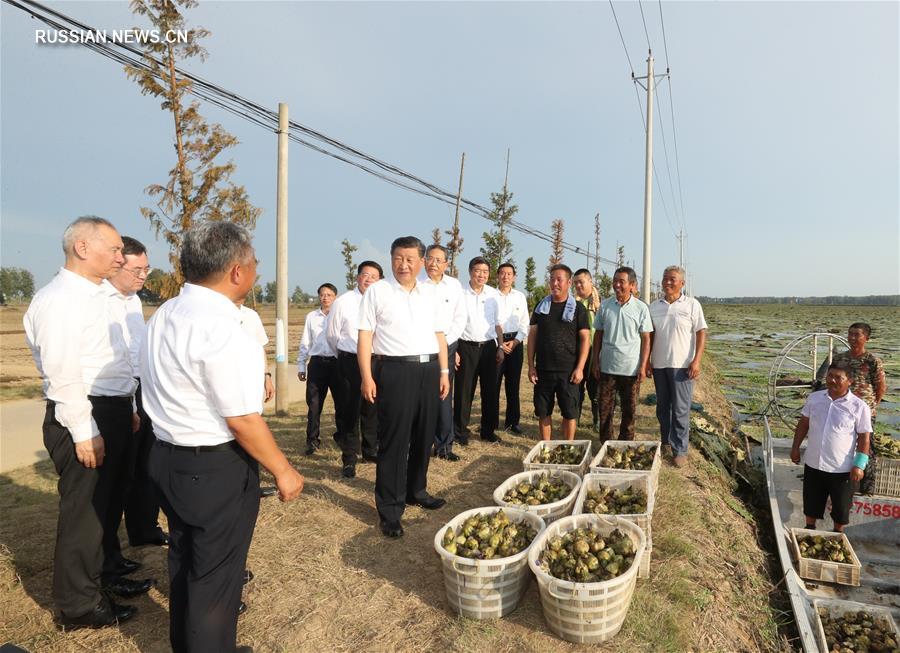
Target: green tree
199, 186
16, 284
347, 252
436, 236
454, 247
298, 297
150, 293
497, 245
530, 279
556, 253
270, 293
604, 285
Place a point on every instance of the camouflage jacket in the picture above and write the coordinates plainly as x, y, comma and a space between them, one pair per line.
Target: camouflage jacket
864, 373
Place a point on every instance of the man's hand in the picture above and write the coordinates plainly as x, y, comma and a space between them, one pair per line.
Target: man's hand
500, 354
290, 484
268, 388
795, 455
577, 376
455, 361
508, 346
648, 372
135, 422
301, 376
595, 370
90, 452
532, 374
445, 386
694, 369
369, 390
856, 474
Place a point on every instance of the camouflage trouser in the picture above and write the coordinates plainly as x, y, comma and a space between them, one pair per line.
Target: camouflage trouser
627, 388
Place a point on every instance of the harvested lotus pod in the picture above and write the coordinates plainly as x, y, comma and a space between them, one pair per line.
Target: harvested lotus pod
489, 537
817, 547
564, 454
636, 458
586, 556
610, 501
545, 489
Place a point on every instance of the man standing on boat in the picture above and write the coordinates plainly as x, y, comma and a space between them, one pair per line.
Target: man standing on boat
677, 343
839, 427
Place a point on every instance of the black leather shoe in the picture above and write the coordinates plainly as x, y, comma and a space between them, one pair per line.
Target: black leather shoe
391, 528
349, 471
490, 438
448, 455
367, 458
514, 429
160, 539
312, 447
242, 608
428, 502
127, 587
126, 566
103, 614
268, 491
248, 576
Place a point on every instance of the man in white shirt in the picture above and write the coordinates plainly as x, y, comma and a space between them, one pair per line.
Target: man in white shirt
453, 314
677, 343
200, 372
479, 356
352, 415
839, 427
317, 366
89, 386
512, 316
401, 335
141, 506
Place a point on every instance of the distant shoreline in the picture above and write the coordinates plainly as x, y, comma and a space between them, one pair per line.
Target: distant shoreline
832, 300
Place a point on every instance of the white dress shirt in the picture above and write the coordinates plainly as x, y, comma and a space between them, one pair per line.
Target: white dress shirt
675, 326
199, 366
342, 325
405, 322
512, 313
833, 425
481, 314
451, 305
127, 311
313, 341
68, 328
253, 326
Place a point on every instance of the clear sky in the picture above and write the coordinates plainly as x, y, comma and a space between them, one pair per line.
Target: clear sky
786, 118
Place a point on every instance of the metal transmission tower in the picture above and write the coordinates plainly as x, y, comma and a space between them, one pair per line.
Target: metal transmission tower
648, 173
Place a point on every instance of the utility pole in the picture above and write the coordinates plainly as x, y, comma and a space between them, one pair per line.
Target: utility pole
648, 176
281, 266
597, 246
505, 184
455, 236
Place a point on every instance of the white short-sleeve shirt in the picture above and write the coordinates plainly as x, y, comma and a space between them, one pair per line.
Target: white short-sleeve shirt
341, 328
252, 323
833, 425
481, 314
199, 366
675, 326
405, 323
512, 313
451, 304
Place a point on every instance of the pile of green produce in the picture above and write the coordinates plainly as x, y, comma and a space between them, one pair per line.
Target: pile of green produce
609, 501
564, 454
858, 632
821, 548
587, 556
542, 490
638, 458
884, 446
489, 536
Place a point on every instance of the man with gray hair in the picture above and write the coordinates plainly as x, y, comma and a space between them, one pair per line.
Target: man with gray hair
677, 343
200, 372
89, 386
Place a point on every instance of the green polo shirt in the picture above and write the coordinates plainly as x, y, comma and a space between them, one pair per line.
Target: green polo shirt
622, 326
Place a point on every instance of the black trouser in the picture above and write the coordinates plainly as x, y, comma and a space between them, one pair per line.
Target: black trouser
477, 363
113, 416
510, 374
211, 499
356, 414
84, 504
444, 433
141, 504
321, 376
590, 386
408, 398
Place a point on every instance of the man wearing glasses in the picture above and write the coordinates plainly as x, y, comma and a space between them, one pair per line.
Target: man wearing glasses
127, 313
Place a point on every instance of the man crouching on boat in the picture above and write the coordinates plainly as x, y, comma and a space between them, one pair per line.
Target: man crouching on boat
839, 426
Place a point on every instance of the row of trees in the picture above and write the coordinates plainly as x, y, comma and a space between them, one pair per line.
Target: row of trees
16, 285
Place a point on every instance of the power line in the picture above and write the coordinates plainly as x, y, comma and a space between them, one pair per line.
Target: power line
622, 38
663, 24
646, 33
268, 119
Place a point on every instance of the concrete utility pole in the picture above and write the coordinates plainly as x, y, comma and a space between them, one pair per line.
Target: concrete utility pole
281, 266
455, 237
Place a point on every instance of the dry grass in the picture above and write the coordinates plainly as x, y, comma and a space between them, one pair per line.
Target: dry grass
327, 580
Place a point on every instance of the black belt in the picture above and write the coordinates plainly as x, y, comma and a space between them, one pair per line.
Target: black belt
345, 354
510, 336
407, 359
325, 358
475, 343
224, 446
120, 399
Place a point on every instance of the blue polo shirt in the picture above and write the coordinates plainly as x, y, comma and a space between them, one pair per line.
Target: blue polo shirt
622, 326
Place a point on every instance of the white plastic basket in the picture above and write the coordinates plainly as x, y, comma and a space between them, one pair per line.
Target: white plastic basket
586, 613
592, 481
653, 472
547, 511
580, 469
485, 589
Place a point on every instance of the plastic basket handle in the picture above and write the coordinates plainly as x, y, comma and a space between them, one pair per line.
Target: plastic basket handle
465, 570
552, 588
